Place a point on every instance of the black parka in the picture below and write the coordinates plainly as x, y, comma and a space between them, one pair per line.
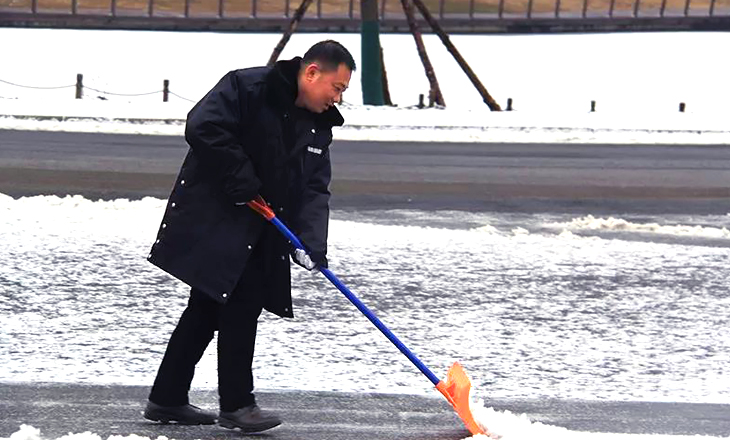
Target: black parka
237, 150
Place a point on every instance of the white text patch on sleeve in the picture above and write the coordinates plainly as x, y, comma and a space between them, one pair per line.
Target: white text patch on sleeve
314, 150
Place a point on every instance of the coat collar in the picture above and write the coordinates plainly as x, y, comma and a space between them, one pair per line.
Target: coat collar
283, 89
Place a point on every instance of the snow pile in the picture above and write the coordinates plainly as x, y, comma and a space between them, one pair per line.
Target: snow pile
505, 425
590, 222
27, 432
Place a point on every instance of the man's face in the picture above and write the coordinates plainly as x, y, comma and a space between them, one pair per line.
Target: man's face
321, 89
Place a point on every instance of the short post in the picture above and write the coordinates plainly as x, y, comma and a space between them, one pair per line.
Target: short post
593, 106
509, 104
165, 90
681, 107
420, 101
79, 86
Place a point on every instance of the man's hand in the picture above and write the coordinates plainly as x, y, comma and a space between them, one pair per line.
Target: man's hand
302, 259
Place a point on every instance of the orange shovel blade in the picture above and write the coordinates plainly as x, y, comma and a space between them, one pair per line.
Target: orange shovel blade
456, 390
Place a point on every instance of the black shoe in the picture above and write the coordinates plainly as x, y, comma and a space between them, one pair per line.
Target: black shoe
183, 414
249, 419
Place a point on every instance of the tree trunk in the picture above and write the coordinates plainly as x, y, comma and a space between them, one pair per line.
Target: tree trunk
386, 90
457, 56
435, 92
287, 34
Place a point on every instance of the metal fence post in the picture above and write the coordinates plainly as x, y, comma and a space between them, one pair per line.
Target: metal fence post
165, 90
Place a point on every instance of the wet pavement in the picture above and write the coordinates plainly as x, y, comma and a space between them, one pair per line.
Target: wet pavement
60, 409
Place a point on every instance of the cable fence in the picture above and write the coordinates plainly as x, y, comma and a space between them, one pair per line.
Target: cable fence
80, 87
166, 92
36, 87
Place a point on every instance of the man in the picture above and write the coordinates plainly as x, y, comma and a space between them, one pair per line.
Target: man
259, 131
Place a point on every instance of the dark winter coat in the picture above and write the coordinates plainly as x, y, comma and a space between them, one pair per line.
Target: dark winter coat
236, 135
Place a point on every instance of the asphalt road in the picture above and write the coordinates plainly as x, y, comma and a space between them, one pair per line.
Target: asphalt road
58, 409
475, 176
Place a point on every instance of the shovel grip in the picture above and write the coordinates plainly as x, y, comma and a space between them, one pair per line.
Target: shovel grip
259, 205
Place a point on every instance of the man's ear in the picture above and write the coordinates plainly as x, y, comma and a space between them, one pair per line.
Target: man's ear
311, 71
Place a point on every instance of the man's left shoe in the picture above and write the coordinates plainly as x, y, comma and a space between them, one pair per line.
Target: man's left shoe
183, 414
249, 419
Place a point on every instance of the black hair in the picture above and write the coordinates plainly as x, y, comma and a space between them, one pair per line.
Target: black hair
329, 54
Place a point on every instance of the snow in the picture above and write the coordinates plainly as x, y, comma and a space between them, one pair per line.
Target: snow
27, 432
637, 81
509, 426
589, 222
535, 286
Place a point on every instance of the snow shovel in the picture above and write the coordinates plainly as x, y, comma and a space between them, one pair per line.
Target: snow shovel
456, 386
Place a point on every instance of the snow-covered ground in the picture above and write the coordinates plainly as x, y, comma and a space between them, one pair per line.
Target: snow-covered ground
510, 296
637, 81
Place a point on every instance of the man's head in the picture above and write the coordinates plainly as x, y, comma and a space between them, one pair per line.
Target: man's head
324, 76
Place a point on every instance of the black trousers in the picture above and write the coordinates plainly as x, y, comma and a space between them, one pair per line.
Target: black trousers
235, 322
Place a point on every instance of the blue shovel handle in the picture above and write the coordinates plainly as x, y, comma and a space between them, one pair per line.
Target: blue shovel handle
260, 206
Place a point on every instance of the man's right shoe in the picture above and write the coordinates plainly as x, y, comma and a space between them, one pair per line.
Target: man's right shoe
249, 419
183, 414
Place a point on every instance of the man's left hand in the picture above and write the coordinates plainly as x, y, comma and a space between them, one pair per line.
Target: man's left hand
302, 258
